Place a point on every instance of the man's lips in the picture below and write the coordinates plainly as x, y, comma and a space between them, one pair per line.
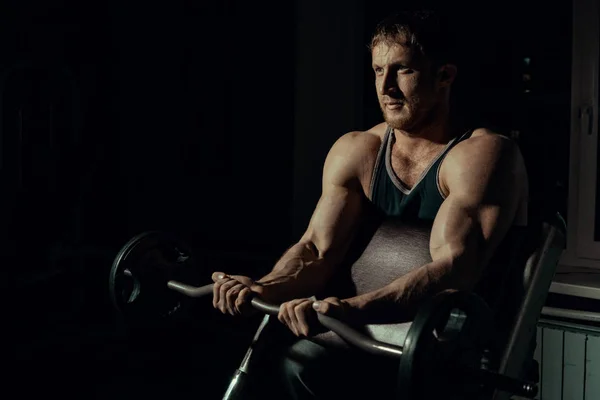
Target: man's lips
393, 105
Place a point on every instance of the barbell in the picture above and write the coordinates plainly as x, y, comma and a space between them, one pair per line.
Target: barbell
445, 345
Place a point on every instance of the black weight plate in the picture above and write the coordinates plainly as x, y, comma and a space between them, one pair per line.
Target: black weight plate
448, 336
139, 276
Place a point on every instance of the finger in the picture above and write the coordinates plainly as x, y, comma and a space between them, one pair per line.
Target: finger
322, 307
244, 280
219, 276
285, 316
231, 297
329, 308
242, 302
302, 312
291, 310
217, 293
295, 324
223, 288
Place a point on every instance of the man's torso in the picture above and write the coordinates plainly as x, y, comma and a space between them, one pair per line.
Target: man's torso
410, 168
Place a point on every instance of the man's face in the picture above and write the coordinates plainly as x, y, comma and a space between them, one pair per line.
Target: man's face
407, 87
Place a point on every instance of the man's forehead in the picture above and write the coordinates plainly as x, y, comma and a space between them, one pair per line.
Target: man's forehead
392, 51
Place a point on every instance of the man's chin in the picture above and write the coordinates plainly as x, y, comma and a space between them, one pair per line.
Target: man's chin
397, 123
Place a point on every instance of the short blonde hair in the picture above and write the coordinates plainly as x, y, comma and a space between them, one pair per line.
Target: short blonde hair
426, 31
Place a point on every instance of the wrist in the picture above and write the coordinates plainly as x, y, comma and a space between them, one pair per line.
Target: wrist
370, 307
355, 310
267, 292
257, 288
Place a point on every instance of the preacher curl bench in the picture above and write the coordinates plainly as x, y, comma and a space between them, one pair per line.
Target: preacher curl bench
475, 349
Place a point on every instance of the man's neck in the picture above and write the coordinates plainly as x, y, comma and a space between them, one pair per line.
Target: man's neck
431, 135
435, 129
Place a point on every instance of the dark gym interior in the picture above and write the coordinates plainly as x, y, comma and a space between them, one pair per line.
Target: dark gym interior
210, 120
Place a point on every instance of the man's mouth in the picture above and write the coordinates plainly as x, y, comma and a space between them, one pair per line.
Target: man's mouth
394, 105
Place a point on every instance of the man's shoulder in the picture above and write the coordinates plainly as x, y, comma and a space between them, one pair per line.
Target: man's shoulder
353, 156
483, 146
483, 152
374, 134
367, 141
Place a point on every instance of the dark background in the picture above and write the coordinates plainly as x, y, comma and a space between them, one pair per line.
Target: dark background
211, 120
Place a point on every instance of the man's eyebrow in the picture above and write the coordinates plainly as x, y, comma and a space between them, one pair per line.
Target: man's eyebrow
398, 64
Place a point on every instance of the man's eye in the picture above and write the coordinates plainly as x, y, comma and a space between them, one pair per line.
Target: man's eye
378, 70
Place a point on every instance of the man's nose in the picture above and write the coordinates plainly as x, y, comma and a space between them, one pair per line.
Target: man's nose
388, 83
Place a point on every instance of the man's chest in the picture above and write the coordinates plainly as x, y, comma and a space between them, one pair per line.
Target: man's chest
410, 169
407, 168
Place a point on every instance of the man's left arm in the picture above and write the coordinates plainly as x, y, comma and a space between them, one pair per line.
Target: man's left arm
485, 180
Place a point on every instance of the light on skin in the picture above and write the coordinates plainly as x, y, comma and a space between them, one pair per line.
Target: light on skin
482, 178
413, 96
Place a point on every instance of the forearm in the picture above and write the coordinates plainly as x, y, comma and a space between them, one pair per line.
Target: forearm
400, 300
299, 273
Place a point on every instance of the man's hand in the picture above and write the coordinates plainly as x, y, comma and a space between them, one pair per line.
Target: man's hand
232, 293
300, 315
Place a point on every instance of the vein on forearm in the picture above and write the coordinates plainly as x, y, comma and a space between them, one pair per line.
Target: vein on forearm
400, 300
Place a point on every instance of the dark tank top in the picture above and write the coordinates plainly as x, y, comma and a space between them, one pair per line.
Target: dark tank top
394, 199
394, 240
419, 205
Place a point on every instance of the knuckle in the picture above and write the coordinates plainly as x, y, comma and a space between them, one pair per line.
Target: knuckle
238, 302
232, 292
224, 288
300, 309
283, 313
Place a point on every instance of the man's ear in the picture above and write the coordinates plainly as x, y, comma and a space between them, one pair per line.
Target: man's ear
447, 74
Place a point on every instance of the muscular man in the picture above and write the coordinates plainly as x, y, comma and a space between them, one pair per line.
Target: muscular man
471, 184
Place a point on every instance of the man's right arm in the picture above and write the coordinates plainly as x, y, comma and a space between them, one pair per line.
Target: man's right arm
307, 266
